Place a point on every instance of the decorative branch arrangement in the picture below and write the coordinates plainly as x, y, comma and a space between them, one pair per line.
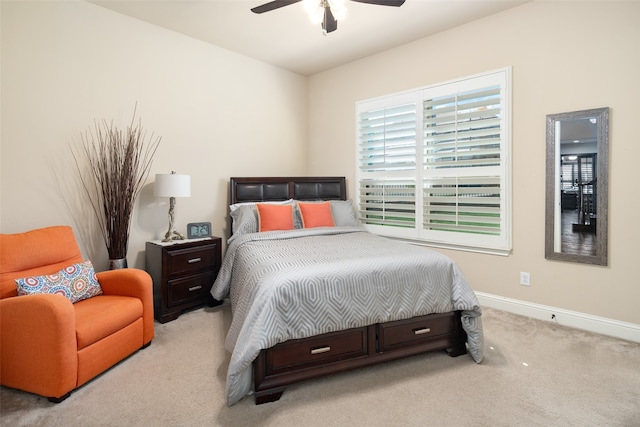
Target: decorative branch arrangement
113, 166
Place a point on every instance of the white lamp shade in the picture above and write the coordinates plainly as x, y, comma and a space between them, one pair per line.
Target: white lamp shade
172, 185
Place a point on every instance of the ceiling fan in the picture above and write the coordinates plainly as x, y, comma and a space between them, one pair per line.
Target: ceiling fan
326, 16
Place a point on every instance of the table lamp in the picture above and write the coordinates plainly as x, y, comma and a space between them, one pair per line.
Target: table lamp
172, 185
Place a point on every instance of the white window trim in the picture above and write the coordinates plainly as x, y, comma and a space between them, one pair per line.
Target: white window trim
501, 245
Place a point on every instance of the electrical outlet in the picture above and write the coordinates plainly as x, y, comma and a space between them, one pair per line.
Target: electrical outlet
525, 279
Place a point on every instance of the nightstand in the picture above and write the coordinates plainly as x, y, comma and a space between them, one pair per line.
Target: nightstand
183, 273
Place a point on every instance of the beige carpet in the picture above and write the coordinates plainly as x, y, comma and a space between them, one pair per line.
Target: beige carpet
534, 374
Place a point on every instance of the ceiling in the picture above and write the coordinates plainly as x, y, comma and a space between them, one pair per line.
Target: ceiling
286, 38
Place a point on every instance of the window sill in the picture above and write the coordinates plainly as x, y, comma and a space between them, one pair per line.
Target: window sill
486, 251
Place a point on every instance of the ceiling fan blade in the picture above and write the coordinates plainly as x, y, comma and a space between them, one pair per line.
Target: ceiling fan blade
396, 3
275, 4
329, 22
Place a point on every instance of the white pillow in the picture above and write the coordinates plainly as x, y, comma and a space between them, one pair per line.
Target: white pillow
343, 213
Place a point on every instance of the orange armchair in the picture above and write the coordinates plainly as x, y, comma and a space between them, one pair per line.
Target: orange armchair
50, 346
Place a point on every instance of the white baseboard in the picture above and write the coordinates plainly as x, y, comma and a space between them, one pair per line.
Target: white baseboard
574, 319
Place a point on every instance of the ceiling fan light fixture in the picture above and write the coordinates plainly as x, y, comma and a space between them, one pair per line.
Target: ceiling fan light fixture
325, 12
316, 9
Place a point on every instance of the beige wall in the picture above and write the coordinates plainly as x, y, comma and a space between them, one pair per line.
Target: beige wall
565, 56
65, 64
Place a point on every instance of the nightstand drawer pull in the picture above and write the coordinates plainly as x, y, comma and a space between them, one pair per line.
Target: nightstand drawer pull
194, 260
320, 350
421, 331
195, 288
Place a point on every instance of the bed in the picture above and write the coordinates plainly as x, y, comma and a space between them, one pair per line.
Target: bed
310, 302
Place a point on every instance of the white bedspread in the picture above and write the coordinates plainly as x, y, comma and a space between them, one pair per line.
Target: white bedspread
300, 283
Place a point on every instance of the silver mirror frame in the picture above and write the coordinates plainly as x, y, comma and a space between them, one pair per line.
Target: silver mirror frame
602, 174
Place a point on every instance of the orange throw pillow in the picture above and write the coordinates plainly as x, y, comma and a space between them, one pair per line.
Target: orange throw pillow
316, 214
274, 217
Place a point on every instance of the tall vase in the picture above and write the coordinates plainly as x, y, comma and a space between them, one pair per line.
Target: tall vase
116, 264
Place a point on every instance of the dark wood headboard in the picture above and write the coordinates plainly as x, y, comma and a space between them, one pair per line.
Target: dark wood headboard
265, 189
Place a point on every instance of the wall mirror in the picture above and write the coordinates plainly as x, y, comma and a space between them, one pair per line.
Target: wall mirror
577, 186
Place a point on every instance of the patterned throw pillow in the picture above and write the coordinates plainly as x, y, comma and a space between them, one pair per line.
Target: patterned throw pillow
76, 282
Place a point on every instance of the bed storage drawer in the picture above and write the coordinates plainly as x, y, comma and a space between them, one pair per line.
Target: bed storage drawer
300, 360
402, 333
319, 350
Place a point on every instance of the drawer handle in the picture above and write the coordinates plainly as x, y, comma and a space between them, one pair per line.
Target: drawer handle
421, 331
195, 288
320, 350
194, 260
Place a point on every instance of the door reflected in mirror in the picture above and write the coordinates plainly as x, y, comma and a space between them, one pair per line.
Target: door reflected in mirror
577, 186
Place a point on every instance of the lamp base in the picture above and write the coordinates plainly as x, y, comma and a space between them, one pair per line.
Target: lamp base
174, 235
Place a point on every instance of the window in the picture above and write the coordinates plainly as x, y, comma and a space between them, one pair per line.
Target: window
433, 164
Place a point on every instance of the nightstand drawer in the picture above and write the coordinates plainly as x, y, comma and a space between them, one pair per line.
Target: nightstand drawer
405, 332
190, 259
327, 348
189, 288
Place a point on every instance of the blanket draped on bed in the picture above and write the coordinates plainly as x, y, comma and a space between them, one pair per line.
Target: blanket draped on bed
299, 283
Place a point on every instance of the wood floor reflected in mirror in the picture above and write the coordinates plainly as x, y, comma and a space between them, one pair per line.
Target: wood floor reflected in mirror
576, 242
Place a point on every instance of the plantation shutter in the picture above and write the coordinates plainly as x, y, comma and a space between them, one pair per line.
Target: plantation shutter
387, 162
462, 143
463, 204
569, 174
433, 164
463, 130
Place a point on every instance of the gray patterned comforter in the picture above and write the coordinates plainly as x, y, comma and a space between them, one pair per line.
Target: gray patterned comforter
299, 283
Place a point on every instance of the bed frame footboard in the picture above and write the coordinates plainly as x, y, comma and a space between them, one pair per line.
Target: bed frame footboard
303, 359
